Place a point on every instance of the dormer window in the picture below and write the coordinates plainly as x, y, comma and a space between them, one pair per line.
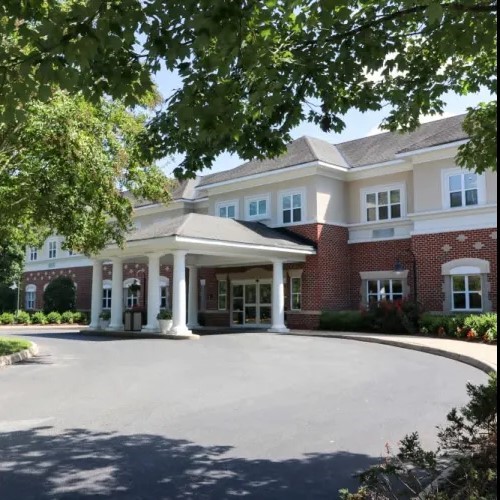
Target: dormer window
258, 208
52, 249
292, 207
227, 210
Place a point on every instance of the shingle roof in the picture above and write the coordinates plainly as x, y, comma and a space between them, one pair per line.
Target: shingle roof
208, 227
384, 147
299, 152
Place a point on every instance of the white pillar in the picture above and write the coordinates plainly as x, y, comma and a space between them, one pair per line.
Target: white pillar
153, 293
96, 307
278, 312
179, 295
116, 322
193, 298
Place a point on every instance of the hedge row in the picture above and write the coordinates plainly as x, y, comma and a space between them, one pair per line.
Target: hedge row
40, 318
470, 327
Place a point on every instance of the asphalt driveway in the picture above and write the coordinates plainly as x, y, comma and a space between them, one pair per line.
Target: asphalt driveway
245, 415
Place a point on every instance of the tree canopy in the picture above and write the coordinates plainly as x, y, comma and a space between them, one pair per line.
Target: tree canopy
64, 169
252, 70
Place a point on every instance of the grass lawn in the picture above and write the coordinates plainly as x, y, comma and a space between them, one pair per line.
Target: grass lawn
10, 346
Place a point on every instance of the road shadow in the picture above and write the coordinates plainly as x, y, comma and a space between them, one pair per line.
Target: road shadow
78, 463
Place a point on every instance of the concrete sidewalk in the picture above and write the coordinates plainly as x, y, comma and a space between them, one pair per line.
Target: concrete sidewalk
481, 356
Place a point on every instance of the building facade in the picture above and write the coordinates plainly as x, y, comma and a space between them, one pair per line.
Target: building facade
271, 244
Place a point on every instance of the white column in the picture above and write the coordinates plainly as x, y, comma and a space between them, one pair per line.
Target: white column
278, 313
179, 295
116, 322
193, 298
153, 293
96, 307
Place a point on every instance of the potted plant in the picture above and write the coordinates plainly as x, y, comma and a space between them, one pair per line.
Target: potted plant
165, 321
105, 316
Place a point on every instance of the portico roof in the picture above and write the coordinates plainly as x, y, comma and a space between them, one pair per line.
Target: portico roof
200, 227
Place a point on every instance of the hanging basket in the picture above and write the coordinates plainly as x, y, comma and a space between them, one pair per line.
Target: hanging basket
135, 287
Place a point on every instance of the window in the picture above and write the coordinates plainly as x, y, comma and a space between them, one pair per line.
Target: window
164, 293
227, 210
292, 207
296, 294
467, 293
258, 208
30, 299
389, 289
52, 249
383, 205
463, 190
222, 295
33, 254
106, 298
132, 298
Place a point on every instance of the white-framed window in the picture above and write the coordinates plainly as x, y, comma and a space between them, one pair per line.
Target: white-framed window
227, 209
384, 289
106, 294
292, 206
296, 294
131, 296
33, 254
467, 293
258, 207
52, 249
164, 293
383, 203
222, 295
462, 189
30, 299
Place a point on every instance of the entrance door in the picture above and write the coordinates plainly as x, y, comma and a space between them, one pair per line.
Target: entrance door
251, 303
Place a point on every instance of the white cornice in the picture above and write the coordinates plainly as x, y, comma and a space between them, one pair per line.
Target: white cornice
431, 149
456, 212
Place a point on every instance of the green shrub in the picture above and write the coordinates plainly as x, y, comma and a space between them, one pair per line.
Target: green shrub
80, 318
22, 318
11, 346
481, 323
39, 318
54, 318
60, 295
394, 317
7, 318
344, 321
67, 317
7, 298
473, 326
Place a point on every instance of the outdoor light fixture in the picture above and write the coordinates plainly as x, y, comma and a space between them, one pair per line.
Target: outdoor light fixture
399, 268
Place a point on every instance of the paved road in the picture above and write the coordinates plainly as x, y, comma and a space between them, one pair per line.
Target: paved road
246, 415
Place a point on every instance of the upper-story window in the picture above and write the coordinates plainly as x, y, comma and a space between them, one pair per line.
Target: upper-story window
52, 249
463, 189
227, 210
258, 208
383, 204
292, 206
33, 254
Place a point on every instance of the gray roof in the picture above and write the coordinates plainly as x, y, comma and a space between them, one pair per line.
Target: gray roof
299, 152
359, 152
208, 227
384, 147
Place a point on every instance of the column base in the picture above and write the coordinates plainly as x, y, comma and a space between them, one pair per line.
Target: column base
94, 327
115, 328
180, 330
279, 329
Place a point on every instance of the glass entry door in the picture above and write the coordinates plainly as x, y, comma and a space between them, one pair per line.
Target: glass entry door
251, 303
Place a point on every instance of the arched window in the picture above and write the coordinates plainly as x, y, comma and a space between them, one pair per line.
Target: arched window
30, 301
466, 285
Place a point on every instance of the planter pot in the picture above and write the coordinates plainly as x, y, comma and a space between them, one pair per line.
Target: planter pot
104, 323
165, 325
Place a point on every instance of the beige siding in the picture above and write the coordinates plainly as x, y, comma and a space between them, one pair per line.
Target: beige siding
491, 187
355, 188
332, 200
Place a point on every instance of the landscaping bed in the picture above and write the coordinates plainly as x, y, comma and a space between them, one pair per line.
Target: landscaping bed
41, 318
11, 346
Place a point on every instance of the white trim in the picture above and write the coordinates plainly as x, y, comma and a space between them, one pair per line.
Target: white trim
452, 211
292, 294
226, 205
107, 284
258, 198
371, 166
303, 205
445, 191
432, 148
30, 288
376, 240
383, 275
129, 281
381, 188
467, 292
49, 243
460, 271
183, 239
466, 266
381, 224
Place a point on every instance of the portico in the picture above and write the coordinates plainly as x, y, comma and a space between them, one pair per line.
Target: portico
189, 243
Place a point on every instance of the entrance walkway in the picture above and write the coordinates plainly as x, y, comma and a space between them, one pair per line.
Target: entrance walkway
481, 356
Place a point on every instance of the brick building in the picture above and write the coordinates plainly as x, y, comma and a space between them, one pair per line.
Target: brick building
272, 243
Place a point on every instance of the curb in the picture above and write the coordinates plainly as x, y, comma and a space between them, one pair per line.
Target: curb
462, 358
19, 356
137, 336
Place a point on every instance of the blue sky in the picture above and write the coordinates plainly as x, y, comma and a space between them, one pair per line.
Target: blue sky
357, 124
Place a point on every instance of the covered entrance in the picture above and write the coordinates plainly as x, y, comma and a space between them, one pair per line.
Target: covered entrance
251, 303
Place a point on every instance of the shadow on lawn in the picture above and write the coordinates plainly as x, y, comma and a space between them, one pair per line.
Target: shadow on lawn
79, 463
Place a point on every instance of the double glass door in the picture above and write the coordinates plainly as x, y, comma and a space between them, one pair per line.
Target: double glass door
251, 303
